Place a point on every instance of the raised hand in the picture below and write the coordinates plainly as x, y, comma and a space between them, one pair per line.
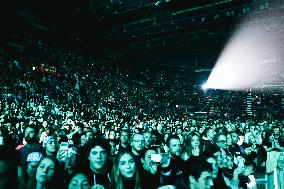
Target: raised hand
195, 151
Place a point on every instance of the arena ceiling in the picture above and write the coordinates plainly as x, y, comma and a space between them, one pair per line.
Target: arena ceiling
182, 32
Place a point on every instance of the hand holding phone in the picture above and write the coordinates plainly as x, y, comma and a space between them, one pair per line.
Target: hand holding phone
63, 151
241, 140
156, 158
162, 158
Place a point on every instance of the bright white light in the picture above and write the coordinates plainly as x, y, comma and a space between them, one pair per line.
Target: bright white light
252, 181
204, 87
251, 58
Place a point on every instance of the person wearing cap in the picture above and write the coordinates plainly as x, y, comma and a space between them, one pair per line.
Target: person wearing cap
71, 164
49, 145
28, 178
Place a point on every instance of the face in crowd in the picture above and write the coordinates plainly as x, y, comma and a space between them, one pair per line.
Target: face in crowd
138, 143
124, 137
72, 160
147, 162
179, 131
111, 134
230, 162
51, 146
229, 128
45, 171
205, 181
148, 139
30, 135
229, 140
194, 141
160, 128
222, 141
276, 131
112, 148
210, 134
89, 135
79, 181
201, 176
127, 166
235, 138
252, 129
251, 139
83, 139
97, 158
175, 147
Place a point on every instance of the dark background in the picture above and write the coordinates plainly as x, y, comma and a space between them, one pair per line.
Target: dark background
190, 33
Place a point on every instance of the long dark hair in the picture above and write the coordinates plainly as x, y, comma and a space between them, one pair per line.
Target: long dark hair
57, 178
188, 141
116, 178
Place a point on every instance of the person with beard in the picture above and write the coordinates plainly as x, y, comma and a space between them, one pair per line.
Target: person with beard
50, 146
148, 173
32, 145
148, 139
172, 166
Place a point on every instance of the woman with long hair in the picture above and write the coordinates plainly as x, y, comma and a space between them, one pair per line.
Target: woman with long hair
27, 179
192, 147
124, 173
48, 174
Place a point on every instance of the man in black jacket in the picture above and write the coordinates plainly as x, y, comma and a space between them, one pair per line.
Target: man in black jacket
99, 165
172, 164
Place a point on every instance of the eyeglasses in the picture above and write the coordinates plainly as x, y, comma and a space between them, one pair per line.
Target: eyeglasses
141, 141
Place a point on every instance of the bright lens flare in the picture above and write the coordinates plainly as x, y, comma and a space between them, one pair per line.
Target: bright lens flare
204, 87
253, 57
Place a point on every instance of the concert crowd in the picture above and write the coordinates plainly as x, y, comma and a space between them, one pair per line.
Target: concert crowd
70, 121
